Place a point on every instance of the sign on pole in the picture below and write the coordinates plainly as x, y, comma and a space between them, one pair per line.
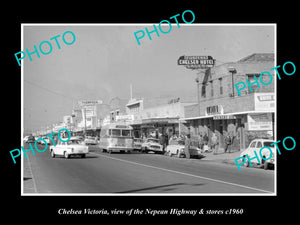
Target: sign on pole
196, 62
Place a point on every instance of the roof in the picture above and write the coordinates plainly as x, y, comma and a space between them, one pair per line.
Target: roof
258, 57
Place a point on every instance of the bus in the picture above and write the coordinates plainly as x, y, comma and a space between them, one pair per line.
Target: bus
116, 137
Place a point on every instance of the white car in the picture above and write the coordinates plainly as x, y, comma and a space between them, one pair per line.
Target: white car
90, 140
47, 139
176, 147
66, 149
152, 144
256, 145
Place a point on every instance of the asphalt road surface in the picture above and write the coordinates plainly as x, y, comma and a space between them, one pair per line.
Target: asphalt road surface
138, 173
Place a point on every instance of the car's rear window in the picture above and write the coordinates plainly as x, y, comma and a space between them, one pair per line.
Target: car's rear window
268, 144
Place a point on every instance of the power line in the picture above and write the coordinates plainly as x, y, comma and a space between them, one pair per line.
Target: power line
46, 89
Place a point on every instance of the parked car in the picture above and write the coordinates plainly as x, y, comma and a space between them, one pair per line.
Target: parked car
176, 147
30, 139
47, 139
25, 139
89, 140
152, 144
73, 147
256, 145
137, 144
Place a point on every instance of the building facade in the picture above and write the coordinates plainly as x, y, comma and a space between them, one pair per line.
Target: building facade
225, 113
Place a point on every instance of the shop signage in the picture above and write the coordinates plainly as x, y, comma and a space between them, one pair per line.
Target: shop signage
224, 117
264, 101
262, 121
125, 118
160, 120
215, 109
196, 62
89, 102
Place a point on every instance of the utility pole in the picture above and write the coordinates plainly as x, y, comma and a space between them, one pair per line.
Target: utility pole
198, 92
84, 121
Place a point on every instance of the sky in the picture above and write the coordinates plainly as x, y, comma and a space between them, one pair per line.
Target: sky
105, 59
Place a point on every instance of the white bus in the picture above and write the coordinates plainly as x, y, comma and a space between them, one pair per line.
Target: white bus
116, 137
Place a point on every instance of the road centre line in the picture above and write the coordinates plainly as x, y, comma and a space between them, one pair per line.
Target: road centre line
187, 174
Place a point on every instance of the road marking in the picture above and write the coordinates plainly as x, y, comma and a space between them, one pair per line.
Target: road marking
187, 174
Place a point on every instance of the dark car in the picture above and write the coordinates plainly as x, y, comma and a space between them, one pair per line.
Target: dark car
30, 139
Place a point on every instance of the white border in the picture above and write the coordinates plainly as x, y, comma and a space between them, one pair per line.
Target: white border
148, 194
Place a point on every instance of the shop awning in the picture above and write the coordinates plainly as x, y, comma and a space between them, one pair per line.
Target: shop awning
219, 116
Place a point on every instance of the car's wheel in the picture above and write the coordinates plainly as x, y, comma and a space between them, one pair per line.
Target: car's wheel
266, 165
52, 154
83, 156
66, 155
246, 162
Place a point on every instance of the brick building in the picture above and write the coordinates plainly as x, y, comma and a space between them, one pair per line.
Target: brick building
223, 111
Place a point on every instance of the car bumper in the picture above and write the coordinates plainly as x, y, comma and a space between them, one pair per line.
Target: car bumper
118, 149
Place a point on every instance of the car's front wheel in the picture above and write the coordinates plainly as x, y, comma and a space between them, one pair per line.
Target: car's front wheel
52, 154
66, 155
246, 162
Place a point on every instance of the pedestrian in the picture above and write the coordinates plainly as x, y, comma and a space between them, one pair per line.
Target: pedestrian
205, 143
227, 141
214, 142
205, 139
201, 144
187, 145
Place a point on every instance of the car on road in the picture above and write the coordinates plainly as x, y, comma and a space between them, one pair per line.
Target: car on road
47, 139
29, 139
176, 147
89, 140
255, 146
73, 147
152, 144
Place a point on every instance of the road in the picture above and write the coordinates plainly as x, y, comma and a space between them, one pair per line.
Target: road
137, 173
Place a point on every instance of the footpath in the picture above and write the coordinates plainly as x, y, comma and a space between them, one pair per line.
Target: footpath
222, 157
28, 180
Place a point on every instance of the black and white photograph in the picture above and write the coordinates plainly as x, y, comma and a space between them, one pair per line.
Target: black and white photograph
129, 109
150, 112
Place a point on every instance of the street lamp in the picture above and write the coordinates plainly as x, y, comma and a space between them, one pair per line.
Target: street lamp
198, 93
232, 70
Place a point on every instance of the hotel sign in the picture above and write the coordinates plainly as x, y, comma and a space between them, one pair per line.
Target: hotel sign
196, 62
213, 110
224, 117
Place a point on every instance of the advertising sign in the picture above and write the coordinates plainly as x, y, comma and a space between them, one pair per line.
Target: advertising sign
264, 101
89, 102
261, 121
213, 110
196, 62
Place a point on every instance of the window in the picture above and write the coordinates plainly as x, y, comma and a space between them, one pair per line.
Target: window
211, 89
203, 91
259, 145
253, 144
252, 80
268, 144
221, 85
